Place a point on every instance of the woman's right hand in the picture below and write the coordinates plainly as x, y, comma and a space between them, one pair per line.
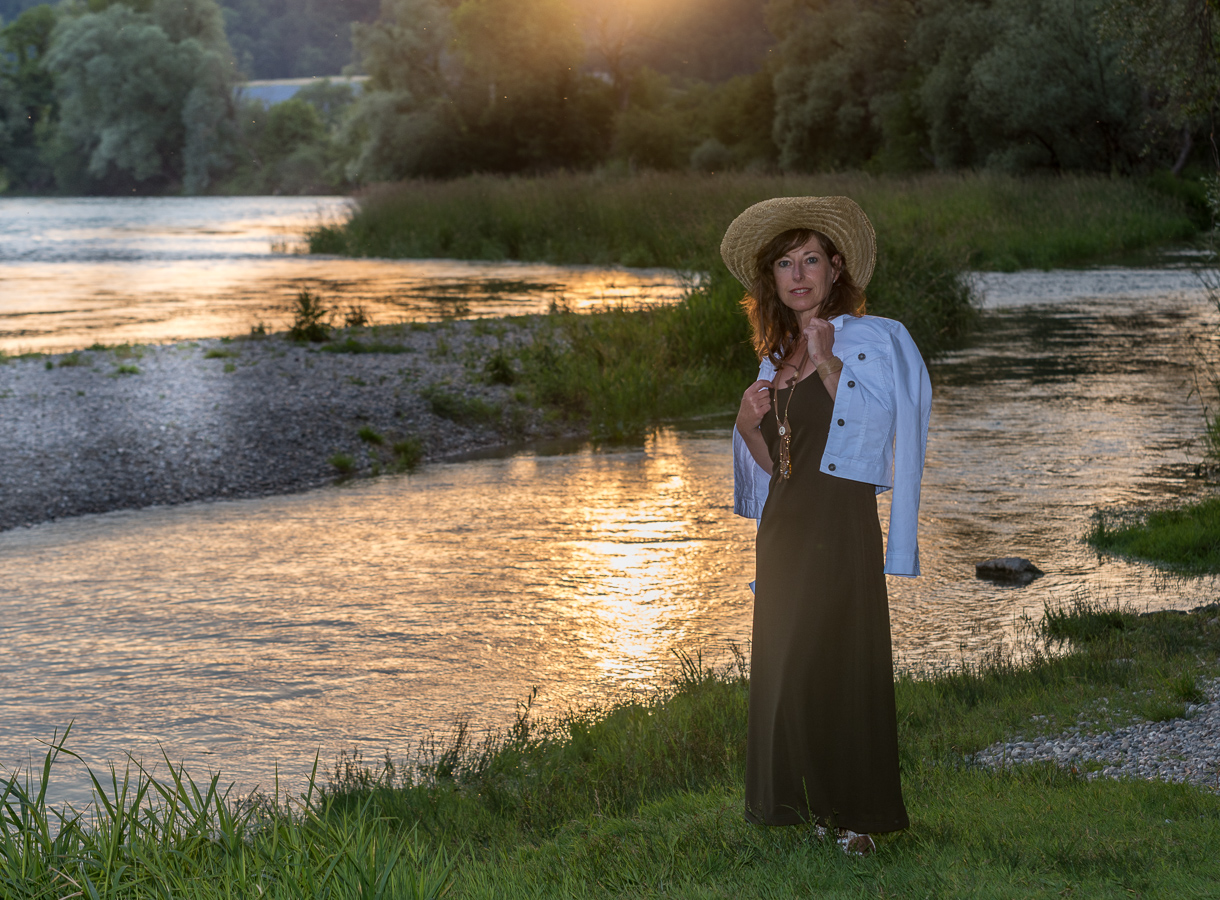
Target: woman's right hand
755, 403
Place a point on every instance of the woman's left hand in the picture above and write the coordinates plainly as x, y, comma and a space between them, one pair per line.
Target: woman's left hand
820, 338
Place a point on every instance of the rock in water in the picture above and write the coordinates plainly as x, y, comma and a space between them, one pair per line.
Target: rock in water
1008, 569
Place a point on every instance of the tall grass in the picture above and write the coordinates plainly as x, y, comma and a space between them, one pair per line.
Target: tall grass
144, 837
619, 371
643, 798
986, 221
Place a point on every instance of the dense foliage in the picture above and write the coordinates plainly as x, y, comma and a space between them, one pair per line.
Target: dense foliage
139, 96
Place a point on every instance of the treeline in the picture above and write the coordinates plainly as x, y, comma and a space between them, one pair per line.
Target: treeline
121, 96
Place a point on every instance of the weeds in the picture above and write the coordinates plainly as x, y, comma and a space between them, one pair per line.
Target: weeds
146, 837
458, 407
310, 319
407, 454
355, 316
73, 359
344, 463
352, 345
126, 370
370, 436
499, 369
221, 353
1187, 537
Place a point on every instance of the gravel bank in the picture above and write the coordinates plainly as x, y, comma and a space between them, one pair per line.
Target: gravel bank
127, 427
1180, 750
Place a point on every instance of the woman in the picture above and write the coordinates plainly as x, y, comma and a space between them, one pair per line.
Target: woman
838, 414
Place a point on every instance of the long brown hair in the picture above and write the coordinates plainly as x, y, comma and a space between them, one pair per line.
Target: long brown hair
776, 327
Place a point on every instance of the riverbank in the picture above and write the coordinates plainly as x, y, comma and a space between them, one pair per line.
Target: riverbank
140, 425
643, 798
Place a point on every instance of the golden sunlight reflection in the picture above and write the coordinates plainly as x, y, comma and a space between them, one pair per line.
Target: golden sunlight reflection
77, 272
636, 538
250, 635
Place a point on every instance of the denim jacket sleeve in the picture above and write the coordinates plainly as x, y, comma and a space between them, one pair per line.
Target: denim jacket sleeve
912, 410
750, 480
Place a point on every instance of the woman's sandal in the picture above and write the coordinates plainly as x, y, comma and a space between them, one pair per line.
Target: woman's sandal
855, 844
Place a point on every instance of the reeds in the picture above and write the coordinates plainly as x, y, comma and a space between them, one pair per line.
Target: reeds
980, 220
619, 371
145, 837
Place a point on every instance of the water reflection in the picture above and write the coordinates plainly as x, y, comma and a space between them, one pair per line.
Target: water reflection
244, 633
142, 270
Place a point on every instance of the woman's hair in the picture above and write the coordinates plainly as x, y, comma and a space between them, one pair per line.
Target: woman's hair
776, 327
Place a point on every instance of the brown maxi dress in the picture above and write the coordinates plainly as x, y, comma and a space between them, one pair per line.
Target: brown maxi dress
822, 743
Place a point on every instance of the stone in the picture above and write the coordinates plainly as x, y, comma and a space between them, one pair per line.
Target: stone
1008, 570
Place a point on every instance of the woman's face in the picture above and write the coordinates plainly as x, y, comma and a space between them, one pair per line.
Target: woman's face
803, 277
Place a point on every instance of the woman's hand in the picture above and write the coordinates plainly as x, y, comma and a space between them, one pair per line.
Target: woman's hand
820, 339
755, 403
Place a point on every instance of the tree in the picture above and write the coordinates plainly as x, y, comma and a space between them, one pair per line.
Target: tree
27, 99
399, 125
146, 95
1048, 93
837, 58
900, 84
1173, 46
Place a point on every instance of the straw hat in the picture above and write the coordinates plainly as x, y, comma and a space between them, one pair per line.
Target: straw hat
839, 218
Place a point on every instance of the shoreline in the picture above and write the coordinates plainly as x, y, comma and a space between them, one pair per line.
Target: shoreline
134, 426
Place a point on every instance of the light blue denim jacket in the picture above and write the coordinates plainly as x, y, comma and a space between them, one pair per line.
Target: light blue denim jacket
878, 432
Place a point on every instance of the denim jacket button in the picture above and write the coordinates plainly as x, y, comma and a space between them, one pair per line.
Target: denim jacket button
841, 422
861, 356
831, 467
851, 384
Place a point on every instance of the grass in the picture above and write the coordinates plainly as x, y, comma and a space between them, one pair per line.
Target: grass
642, 798
986, 221
310, 318
458, 407
344, 463
351, 344
1187, 537
616, 372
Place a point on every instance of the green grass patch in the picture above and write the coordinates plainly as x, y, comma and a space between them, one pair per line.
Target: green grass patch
351, 345
407, 454
72, 360
643, 798
452, 404
125, 370
985, 220
344, 463
220, 353
370, 436
1187, 537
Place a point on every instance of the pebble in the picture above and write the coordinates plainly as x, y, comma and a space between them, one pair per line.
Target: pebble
84, 436
1178, 750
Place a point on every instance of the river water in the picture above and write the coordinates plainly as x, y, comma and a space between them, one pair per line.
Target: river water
74, 272
248, 636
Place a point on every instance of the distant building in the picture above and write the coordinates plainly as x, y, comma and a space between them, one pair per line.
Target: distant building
276, 90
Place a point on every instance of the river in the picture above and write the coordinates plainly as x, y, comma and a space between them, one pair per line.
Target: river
75, 272
248, 636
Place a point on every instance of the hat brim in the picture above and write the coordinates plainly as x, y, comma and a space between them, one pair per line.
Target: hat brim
839, 218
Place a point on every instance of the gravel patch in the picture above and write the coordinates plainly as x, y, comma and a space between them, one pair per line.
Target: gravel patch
128, 427
1178, 750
